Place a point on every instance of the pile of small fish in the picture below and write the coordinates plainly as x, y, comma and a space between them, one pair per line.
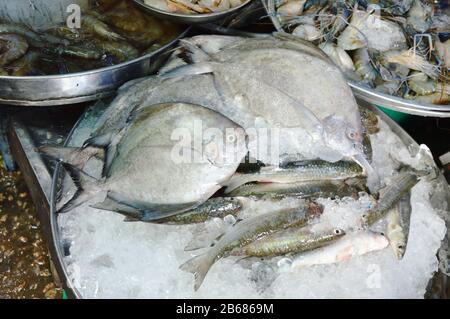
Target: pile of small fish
194, 6
112, 32
239, 90
399, 48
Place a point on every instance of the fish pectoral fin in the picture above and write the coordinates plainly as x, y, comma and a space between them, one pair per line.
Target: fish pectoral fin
190, 69
99, 141
196, 53
150, 212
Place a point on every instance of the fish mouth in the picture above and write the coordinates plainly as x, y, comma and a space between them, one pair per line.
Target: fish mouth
373, 179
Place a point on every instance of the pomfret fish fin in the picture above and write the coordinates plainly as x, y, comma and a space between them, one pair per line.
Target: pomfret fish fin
196, 53
75, 156
190, 69
78, 199
99, 141
81, 179
86, 188
109, 204
148, 212
199, 266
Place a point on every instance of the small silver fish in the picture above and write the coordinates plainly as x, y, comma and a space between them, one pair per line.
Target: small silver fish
298, 172
246, 232
289, 241
390, 195
397, 229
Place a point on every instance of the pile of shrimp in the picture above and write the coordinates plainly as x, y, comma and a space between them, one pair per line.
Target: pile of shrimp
397, 47
194, 6
111, 32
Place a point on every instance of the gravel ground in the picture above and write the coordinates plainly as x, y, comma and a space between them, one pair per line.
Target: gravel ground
24, 261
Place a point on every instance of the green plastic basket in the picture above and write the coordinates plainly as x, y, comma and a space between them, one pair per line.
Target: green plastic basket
396, 116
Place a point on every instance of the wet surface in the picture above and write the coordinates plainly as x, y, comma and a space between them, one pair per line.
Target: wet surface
24, 261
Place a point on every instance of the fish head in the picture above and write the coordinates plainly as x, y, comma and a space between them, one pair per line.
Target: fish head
341, 136
399, 250
337, 233
228, 147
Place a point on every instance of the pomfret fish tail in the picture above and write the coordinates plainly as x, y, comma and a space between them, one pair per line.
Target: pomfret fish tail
75, 156
199, 267
86, 188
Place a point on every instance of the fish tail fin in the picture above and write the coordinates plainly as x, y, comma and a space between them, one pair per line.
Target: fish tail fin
75, 156
199, 266
86, 185
373, 179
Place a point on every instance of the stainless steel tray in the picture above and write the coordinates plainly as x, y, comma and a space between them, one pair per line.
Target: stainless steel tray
75, 87
78, 133
384, 100
193, 18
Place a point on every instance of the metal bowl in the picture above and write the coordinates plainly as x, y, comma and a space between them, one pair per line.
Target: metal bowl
76, 87
370, 95
191, 18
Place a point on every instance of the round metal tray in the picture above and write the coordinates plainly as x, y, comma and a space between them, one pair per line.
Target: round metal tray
79, 87
192, 18
388, 101
57, 248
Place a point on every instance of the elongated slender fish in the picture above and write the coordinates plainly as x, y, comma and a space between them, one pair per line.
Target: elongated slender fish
247, 231
289, 241
217, 207
298, 172
397, 229
308, 189
354, 244
389, 196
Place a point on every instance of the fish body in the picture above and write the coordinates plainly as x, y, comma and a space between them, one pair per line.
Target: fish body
247, 231
390, 195
350, 245
397, 228
298, 172
289, 241
157, 180
309, 189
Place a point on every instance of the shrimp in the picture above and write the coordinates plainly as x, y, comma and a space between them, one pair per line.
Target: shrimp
122, 51
419, 16
71, 34
421, 83
291, 8
12, 47
82, 52
439, 98
339, 57
363, 66
34, 39
95, 26
307, 32
369, 30
127, 18
25, 65
414, 61
443, 52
